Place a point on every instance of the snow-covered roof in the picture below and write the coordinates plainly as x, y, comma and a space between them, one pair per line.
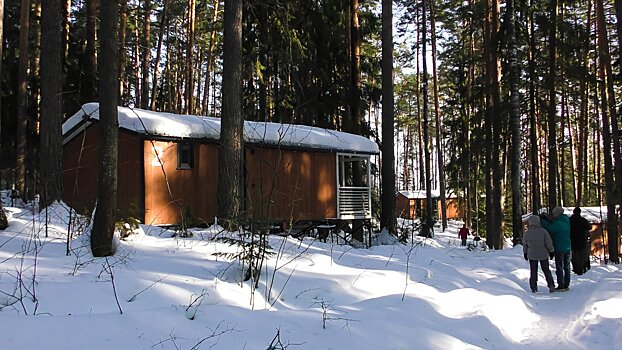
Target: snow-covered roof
189, 126
594, 215
420, 194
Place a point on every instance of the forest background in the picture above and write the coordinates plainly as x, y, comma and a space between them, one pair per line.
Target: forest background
514, 109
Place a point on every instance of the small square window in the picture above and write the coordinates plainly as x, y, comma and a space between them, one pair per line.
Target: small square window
184, 155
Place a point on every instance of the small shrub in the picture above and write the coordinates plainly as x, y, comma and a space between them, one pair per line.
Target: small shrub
127, 227
188, 220
252, 253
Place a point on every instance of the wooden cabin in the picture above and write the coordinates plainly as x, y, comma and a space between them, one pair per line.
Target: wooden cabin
168, 167
409, 205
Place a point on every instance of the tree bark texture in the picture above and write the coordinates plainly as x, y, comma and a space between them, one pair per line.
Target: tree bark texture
209, 60
89, 81
156, 66
492, 156
22, 99
1, 85
122, 51
609, 108
429, 209
189, 96
146, 55
230, 175
533, 125
105, 215
387, 218
497, 119
515, 129
439, 125
552, 119
51, 159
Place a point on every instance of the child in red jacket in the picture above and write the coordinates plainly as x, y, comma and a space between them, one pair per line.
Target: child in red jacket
463, 233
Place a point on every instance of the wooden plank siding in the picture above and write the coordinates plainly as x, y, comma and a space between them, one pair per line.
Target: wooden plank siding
406, 208
294, 185
600, 240
80, 167
192, 191
455, 210
281, 184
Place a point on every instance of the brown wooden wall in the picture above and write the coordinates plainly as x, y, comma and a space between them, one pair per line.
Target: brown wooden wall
192, 190
281, 185
454, 209
288, 185
600, 240
80, 166
405, 207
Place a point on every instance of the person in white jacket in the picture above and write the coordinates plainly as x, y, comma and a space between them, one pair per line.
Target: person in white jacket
538, 247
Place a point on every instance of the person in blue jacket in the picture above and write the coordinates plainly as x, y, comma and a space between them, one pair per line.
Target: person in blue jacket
558, 226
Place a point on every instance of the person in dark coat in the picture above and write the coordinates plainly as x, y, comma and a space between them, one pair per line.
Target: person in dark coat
538, 248
579, 230
558, 226
463, 233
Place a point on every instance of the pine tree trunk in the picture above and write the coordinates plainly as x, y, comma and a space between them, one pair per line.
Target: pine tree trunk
356, 118
491, 151
34, 94
136, 69
610, 198
497, 117
230, 176
471, 176
407, 143
198, 68
439, 126
609, 107
429, 220
168, 76
156, 66
1, 83
146, 55
533, 123
355, 71
515, 129
582, 169
66, 21
574, 141
552, 112
22, 99
189, 93
105, 215
618, 7
210, 59
122, 51
51, 167
387, 218
89, 81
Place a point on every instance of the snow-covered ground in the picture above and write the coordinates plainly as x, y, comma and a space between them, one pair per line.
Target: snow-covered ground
174, 293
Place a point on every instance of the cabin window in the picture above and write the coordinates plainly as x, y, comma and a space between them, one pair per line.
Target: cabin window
184, 155
353, 171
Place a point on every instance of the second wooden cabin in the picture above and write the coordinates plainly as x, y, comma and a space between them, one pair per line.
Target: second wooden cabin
410, 205
168, 167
